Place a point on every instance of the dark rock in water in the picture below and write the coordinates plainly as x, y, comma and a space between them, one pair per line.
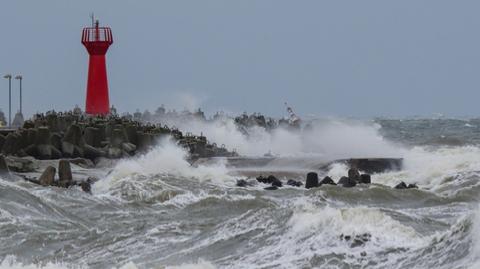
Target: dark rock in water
412, 186
86, 186
365, 179
312, 180
347, 182
353, 174
294, 183
360, 240
262, 179
402, 185
48, 176
64, 171
363, 253
242, 183
327, 180
269, 180
357, 240
275, 181
271, 188
3, 165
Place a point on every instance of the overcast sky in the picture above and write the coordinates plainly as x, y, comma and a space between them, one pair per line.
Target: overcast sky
340, 58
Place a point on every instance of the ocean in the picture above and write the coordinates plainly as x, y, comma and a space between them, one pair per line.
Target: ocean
160, 211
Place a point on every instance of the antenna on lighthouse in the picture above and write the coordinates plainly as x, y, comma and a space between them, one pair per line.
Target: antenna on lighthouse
92, 16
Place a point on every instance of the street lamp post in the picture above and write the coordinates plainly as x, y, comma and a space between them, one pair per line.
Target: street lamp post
9, 77
19, 77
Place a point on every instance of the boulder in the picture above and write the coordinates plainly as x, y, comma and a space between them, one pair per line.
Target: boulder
402, 185
2, 141
129, 148
21, 165
56, 141
3, 166
92, 137
84, 163
92, 153
353, 174
294, 183
327, 180
86, 186
271, 188
347, 182
64, 171
275, 181
10, 146
242, 183
48, 176
365, 179
312, 180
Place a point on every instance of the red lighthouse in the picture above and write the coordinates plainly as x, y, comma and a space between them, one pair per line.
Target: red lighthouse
97, 40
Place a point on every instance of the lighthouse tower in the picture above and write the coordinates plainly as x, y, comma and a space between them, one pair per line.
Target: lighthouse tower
97, 40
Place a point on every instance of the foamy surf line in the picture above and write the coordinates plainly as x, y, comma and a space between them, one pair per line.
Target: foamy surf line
10, 262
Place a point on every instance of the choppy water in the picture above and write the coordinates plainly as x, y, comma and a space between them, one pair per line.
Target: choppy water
157, 211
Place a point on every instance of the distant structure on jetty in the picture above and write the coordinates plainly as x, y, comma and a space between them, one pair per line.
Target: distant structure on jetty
97, 40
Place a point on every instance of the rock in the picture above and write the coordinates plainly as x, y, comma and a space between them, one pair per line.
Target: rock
43, 136
21, 165
401, 186
11, 147
365, 179
117, 138
64, 171
353, 174
92, 137
358, 240
275, 181
347, 182
48, 176
294, 183
92, 153
129, 148
327, 180
269, 180
262, 179
2, 141
86, 186
271, 188
3, 166
56, 141
84, 163
412, 186
242, 183
312, 180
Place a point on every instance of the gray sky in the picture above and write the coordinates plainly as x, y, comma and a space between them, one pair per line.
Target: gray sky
344, 58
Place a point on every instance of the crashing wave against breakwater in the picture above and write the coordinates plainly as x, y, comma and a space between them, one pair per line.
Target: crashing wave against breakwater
156, 210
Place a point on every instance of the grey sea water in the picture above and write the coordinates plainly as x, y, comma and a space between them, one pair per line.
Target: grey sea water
158, 211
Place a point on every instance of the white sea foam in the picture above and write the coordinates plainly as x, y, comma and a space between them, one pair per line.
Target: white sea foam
334, 138
433, 167
10, 262
200, 264
166, 158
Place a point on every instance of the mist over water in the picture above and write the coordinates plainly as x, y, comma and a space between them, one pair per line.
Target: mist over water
157, 210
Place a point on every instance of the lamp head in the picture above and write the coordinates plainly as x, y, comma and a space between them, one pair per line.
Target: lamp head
7, 76
18, 77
